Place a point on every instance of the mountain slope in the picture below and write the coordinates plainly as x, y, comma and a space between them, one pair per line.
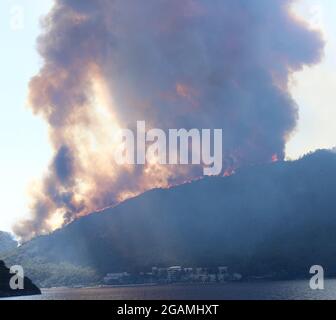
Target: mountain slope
276, 219
7, 243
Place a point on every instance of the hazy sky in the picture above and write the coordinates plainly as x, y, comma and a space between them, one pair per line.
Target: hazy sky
23, 137
25, 151
314, 89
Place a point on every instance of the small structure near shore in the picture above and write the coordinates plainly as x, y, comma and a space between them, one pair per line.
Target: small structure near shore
174, 274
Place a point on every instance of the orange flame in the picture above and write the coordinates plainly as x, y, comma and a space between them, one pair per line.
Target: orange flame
275, 158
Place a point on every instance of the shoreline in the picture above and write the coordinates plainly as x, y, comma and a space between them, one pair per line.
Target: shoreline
177, 284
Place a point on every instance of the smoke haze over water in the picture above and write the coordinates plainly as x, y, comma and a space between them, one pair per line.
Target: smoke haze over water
175, 64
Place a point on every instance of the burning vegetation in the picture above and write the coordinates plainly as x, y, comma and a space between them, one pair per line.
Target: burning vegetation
175, 64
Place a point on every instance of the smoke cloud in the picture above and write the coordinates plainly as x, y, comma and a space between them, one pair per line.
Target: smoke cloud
175, 64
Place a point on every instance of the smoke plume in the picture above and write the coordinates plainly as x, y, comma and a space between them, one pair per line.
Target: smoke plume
175, 64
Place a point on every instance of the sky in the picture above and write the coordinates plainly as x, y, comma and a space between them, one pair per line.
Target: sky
25, 150
314, 89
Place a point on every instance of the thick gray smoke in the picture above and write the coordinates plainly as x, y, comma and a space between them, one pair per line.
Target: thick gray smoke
175, 64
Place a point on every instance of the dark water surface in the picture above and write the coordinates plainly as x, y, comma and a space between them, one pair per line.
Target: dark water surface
283, 290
